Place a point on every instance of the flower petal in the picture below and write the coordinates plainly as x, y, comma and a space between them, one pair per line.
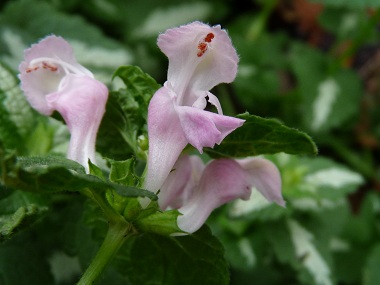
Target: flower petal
36, 85
81, 101
166, 138
38, 82
223, 180
215, 101
265, 177
205, 129
181, 182
189, 67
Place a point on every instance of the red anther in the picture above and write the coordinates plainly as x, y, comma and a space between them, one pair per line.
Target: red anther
203, 45
200, 53
49, 66
209, 37
30, 69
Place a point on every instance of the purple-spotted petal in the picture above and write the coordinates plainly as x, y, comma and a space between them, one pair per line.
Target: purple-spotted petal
205, 129
166, 138
222, 180
200, 57
265, 177
81, 101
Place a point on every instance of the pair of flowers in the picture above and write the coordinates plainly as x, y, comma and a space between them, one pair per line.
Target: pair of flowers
200, 57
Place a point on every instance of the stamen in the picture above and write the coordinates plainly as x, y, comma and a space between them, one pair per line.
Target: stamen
52, 64
203, 45
30, 69
209, 37
46, 65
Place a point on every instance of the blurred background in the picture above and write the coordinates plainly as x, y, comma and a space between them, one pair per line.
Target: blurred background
314, 65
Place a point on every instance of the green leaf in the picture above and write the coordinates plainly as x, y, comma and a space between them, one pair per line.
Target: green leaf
122, 172
139, 84
349, 264
9, 135
159, 260
124, 124
371, 272
163, 223
295, 245
96, 171
21, 127
49, 161
48, 174
263, 136
256, 208
329, 99
280, 240
240, 251
9, 224
130, 191
22, 263
40, 140
315, 184
313, 262
14, 102
362, 229
18, 211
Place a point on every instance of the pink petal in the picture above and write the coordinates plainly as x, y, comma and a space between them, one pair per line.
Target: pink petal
52, 47
215, 101
181, 182
81, 101
223, 180
265, 177
187, 68
37, 83
205, 129
166, 138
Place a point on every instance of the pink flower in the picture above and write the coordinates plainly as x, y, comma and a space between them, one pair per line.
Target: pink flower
200, 57
53, 80
196, 190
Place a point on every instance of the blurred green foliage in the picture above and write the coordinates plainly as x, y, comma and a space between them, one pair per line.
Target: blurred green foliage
314, 65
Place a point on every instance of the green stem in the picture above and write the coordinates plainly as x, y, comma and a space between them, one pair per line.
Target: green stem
117, 234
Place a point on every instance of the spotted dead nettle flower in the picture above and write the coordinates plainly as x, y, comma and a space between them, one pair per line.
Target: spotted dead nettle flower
53, 80
196, 189
200, 57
